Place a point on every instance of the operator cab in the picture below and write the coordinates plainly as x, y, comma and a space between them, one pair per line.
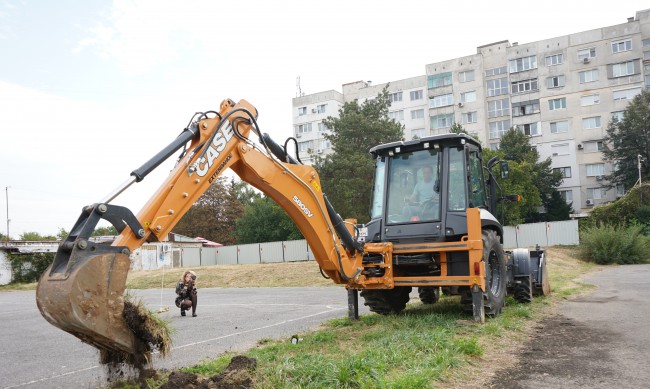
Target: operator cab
422, 188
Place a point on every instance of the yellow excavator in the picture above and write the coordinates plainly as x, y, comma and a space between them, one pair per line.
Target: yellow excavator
431, 226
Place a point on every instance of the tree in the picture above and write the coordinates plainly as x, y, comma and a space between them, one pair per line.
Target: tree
35, 236
265, 221
533, 180
62, 234
103, 231
628, 139
347, 174
214, 214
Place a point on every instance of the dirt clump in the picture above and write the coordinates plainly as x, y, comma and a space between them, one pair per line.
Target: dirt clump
236, 376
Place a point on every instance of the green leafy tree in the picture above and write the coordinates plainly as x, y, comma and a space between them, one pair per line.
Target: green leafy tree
626, 140
347, 174
246, 194
35, 236
214, 214
4, 237
534, 180
104, 231
265, 221
62, 234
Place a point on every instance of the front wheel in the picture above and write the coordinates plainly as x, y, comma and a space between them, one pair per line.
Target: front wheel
495, 277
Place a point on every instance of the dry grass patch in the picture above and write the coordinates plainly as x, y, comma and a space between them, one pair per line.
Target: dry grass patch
286, 274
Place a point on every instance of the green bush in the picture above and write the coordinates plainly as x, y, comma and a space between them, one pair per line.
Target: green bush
27, 268
609, 244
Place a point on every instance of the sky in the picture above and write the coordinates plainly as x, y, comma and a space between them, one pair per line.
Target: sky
90, 90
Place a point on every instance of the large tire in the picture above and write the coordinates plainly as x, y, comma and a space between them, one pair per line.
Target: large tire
386, 301
495, 277
429, 294
524, 289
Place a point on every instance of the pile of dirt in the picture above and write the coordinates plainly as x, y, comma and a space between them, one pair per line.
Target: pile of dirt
236, 376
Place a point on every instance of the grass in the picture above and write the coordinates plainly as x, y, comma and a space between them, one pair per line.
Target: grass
424, 346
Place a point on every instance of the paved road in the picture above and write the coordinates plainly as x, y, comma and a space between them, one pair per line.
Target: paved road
35, 354
597, 340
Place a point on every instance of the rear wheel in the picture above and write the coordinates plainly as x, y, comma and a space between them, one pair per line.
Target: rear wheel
495, 277
524, 289
386, 301
429, 294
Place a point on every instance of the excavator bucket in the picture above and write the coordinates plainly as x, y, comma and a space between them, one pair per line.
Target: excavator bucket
89, 300
82, 292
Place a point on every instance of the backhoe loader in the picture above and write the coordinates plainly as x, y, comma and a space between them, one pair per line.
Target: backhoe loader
431, 227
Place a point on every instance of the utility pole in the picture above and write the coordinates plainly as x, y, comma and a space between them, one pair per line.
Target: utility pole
7, 196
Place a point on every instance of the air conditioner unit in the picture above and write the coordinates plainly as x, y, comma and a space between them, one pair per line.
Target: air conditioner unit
599, 178
313, 110
586, 60
589, 202
298, 135
319, 151
580, 146
460, 104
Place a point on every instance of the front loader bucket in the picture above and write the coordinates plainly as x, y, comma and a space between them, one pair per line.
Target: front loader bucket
86, 298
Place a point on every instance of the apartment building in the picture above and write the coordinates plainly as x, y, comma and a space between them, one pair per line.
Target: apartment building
562, 92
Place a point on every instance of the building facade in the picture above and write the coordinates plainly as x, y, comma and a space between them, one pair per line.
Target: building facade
562, 92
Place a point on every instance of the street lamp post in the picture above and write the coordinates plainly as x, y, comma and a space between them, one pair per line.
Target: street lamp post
7, 196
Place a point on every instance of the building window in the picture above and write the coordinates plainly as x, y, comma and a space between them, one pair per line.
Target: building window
626, 94
468, 97
618, 47
589, 100
442, 121
498, 108
322, 108
305, 146
418, 133
394, 97
416, 95
591, 123
646, 42
496, 71
466, 76
497, 87
596, 193
566, 171
555, 59
522, 64
560, 149
617, 116
593, 147
396, 115
586, 53
554, 104
559, 127
525, 108
595, 169
438, 80
555, 82
469, 117
324, 144
302, 111
524, 86
623, 69
441, 101
567, 195
531, 129
302, 128
588, 76
417, 114
497, 129
322, 127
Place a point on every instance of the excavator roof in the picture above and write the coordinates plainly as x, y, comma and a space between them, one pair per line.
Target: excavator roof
425, 142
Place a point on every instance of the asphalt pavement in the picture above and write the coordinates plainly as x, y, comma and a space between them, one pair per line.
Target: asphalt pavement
35, 354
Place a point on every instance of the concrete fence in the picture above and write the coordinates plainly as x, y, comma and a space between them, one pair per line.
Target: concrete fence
152, 256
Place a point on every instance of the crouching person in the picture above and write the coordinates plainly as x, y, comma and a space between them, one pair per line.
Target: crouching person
186, 293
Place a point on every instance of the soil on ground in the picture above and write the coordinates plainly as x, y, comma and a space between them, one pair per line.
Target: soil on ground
236, 376
560, 353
